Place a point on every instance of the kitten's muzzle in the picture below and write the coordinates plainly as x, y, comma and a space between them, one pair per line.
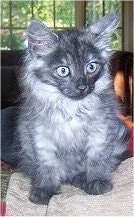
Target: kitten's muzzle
82, 92
81, 84
82, 87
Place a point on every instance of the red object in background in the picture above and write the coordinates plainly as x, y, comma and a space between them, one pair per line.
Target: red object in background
131, 144
2, 208
4, 167
130, 125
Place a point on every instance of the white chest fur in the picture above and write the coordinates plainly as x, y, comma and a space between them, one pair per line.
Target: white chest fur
70, 127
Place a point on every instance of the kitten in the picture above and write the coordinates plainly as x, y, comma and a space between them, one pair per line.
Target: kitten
68, 125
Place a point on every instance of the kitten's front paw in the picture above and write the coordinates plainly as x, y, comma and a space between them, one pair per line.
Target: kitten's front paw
97, 187
40, 195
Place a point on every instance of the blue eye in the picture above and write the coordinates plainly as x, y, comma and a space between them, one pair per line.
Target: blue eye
63, 71
92, 67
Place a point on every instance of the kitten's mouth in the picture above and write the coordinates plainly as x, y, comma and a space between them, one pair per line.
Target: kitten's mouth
79, 95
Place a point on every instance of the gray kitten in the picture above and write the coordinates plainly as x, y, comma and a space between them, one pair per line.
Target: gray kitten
68, 125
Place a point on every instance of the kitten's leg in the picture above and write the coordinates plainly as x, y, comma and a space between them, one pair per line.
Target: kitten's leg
44, 186
44, 174
80, 180
97, 186
99, 175
100, 171
46, 180
41, 164
101, 166
42, 195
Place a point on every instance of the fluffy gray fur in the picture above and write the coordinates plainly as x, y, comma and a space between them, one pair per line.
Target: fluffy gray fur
68, 126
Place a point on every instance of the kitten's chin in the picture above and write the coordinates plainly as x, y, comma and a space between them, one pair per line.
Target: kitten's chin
77, 98
79, 95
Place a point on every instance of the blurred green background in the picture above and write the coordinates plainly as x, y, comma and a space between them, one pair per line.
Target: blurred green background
15, 16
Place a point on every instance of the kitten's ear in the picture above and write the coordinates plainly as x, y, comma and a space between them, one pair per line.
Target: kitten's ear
107, 25
40, 38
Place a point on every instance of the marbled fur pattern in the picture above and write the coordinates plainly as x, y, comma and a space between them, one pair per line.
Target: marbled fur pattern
65, 138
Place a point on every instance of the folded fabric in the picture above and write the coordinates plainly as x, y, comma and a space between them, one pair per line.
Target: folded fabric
73, 201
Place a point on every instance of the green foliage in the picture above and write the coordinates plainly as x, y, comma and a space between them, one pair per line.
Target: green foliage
96, 9
116, 41
57, 14
21, 13
65, 14
5, 38
5, 14
43, 10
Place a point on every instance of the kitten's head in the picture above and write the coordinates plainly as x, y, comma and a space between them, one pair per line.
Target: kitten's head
73, 61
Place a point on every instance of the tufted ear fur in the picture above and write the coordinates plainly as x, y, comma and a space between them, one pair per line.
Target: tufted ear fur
40, 38
103, 29
106, 25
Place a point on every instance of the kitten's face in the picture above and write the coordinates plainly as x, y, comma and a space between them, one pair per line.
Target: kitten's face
72, 60
73, 67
